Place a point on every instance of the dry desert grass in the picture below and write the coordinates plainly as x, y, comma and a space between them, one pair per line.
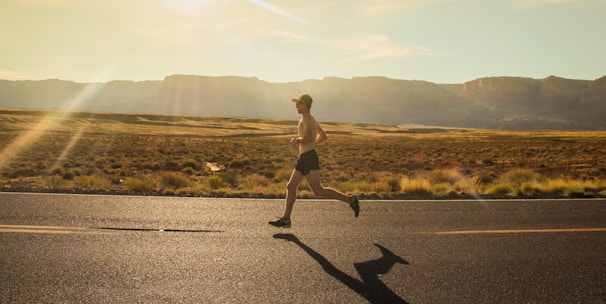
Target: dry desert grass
53, 151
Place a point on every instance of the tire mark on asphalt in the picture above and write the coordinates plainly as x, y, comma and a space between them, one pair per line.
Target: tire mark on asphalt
89, 230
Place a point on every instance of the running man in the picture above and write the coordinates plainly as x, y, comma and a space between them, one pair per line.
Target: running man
310, 133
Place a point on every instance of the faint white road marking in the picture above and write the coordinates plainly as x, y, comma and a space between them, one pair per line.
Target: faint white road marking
51, 229
513, 231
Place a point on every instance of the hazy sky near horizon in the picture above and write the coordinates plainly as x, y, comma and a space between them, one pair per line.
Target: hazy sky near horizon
442, 41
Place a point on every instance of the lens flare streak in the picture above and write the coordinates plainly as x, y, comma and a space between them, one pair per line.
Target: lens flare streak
48, 122
71, 143
276, 10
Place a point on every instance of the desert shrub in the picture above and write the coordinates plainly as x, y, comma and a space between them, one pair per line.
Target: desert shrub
230, 177
554, 186
381, 186
469, 186
565, 187
530, 188
21, 172
269, 173
92, 182
42, 165
192, 163
500, 189
188, 170
77, 172
443, 189
353, 186
100, 164
215, 182
171, 166
109, 171
282, 175
450, 176
573, 191
394, 185
135, 184
419, 186
56, 171
239, 163
90, 171
54, 182
594, 185
68, 175
518, 177
173, 180
151, 165
488, 162
484, 178
304, 187
255, 181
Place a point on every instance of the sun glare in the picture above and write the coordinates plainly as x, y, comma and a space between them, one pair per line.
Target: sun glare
29, 137
185, 3
71, 144
192, 6
50, 121
266, 6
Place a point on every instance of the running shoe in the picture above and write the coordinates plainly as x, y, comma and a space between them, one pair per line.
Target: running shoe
282, 223
355, 205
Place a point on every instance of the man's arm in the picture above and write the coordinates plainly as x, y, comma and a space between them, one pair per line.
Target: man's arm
321, 134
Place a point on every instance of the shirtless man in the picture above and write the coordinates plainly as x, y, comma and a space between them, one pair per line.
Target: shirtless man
310, 133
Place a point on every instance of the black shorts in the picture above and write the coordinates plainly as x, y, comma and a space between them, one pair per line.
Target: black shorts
308, 161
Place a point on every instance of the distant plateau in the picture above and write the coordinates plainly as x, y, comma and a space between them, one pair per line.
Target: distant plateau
503, 103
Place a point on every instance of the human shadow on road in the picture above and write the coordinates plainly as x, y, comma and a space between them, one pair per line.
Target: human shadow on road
371, 287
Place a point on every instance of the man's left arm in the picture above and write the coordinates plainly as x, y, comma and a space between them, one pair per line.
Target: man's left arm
321, 134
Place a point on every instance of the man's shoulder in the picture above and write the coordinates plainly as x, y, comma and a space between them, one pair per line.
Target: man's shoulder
308, 118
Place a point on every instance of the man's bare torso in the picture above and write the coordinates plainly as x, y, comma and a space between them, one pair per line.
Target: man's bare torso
308, 125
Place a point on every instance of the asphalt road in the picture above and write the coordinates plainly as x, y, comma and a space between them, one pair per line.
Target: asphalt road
118, 249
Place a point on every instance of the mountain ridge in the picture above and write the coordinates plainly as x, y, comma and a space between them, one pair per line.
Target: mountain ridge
504, 102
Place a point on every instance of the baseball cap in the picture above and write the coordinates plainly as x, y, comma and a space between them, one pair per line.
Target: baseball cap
303, 98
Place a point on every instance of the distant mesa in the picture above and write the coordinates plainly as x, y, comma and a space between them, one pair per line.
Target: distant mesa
508, 103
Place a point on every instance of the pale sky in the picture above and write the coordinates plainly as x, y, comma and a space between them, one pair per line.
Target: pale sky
442, 41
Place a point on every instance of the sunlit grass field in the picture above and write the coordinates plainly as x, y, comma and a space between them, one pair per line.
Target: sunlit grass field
48, 151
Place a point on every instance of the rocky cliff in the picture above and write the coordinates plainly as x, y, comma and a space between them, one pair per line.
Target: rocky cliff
492, 102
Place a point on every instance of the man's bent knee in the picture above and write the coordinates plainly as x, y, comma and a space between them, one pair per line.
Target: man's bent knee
291, 186
318, 190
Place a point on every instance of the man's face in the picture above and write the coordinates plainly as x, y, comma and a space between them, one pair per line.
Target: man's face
301, 107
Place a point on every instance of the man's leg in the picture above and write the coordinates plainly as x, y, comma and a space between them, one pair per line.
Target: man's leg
291, 192
313, 178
